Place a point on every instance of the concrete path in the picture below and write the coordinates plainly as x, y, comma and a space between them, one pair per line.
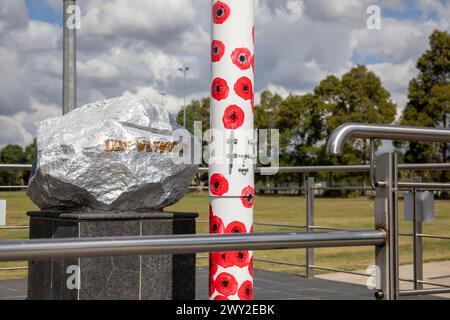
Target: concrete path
436, 272
268, 286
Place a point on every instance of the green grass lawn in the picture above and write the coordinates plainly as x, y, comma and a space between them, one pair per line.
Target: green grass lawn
342, 213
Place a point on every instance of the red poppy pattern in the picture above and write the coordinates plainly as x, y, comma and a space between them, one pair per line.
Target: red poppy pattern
218, 184
222, 259
213, 267
219, 89
217, 50
226, 284
242, 58
233, 117
244, 88
216, 225
246, 291
236, 227
241, 259
247, 196
232, 94
221, 12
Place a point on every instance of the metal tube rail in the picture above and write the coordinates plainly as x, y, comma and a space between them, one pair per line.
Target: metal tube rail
338, 137
13, 187
424, 185
350, 168
24, 167
14, 227
409, 293
13, 269
299, 169
340, 271
425, 236
182, 244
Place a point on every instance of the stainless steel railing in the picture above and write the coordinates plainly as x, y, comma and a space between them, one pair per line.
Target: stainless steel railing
297, 169
387, 189
181, 244
339, 136
303, 243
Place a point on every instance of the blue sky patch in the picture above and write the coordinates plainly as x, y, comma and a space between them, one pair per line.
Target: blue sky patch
411, 12
40, 10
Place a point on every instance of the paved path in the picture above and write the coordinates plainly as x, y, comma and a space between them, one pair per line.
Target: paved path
268, 286
436, 272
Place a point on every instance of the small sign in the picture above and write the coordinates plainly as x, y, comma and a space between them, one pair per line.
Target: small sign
424, 206
2, 212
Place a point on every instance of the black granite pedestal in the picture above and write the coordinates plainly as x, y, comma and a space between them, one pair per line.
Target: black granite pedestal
148, 277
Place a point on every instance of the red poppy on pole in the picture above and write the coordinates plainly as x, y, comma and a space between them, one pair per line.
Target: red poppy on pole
226, 284
220, 12
217, 50
219, 89
218, 184
235, 227
247, 196
246, 291
242, 58
241, 259
233, 117
244, 88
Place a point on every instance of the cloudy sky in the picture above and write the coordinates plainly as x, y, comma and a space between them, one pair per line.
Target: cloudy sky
136, 46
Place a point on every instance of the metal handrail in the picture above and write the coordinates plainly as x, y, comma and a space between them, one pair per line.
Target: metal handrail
182, 244
24, 167
297, 169
338, 137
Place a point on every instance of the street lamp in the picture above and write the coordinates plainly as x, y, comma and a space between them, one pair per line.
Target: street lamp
184, 70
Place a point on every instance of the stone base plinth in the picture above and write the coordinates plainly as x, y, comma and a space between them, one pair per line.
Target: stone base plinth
149, 277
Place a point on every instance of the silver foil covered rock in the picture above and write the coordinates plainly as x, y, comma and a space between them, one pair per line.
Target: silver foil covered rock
109, 155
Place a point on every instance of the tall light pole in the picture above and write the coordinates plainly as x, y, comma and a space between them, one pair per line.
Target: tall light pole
69, 59
184, 70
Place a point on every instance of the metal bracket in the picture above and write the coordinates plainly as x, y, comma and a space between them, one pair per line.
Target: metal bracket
232, 155
231, 141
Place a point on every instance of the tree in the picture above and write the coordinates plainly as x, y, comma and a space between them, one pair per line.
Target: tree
196, 111
358, 96
302, 125
11, 154
266, 110
429, 98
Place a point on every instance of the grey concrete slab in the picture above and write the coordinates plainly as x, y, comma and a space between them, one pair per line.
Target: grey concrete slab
268, 286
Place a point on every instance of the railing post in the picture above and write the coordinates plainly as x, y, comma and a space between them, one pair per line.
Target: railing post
309, 189
417, 243
386, 218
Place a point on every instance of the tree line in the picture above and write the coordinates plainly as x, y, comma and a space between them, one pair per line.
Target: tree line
15, 154
305, 121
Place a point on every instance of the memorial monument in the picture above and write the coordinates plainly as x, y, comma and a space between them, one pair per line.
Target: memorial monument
107, 169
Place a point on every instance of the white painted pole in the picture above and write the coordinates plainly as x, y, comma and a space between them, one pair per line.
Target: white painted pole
232, 148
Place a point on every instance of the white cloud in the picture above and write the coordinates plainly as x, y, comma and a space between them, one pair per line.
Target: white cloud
135, 46
395, 78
